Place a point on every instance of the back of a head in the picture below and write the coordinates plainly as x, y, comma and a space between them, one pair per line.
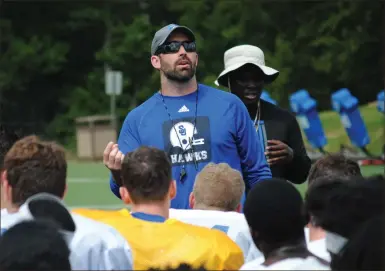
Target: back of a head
34, 166
34, 245
341, 207
334, 165
365, 250
218, 186
274, 209
146, 174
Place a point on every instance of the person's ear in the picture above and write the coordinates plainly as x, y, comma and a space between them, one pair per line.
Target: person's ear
192, 200
155, 62
125, 195
172, 190
6, 189
239, 208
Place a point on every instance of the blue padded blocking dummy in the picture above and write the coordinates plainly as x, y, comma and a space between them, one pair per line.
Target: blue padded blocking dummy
305, 108
380, 101
346, 105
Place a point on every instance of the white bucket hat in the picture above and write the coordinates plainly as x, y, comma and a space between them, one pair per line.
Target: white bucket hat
238, 56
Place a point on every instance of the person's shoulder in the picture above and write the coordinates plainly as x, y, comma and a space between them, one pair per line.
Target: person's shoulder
207, 214
220, 95
214, 235
177, 224
255, 264
275, 110
10, 219
216, 241
92, 227
144, 107
102, 218
175, 213
230, 217
94, 220
226, 248
80, 213
311, 263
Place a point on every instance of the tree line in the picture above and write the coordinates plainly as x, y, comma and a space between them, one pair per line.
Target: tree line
53, 55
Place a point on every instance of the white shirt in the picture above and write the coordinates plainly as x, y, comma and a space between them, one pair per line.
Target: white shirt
309, 263
307, 234
94, 246
317, 247
233, 224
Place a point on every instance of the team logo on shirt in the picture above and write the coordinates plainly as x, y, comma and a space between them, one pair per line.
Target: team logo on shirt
186, 143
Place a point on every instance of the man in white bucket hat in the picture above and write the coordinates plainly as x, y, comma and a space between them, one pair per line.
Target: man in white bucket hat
245, 75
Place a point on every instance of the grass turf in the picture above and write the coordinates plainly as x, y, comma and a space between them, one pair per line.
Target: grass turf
88, 185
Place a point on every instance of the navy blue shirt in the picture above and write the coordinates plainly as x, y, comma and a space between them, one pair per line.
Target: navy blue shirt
223, 133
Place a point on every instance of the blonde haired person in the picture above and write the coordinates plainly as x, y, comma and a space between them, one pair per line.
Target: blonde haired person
216, 203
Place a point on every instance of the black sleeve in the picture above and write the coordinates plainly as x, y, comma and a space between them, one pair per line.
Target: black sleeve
299, 167
116, 176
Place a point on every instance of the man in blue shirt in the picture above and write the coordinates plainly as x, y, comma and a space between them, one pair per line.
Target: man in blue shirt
193, 123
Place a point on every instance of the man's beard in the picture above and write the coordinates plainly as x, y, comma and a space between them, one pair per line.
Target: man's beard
180, 76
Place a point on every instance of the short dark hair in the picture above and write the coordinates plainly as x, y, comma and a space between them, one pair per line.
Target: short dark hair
334, 165
34, 245
274, 209
365, 250
8, 137
340, 207
34, 166
146, 174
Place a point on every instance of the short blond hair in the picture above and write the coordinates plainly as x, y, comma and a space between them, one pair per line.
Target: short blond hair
218, 186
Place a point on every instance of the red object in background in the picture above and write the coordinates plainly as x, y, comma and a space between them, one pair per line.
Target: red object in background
371, 162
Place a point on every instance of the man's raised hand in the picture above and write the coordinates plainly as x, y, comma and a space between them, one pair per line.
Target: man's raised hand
112, 156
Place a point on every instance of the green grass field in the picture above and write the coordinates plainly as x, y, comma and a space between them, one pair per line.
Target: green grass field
89, 182
88, 185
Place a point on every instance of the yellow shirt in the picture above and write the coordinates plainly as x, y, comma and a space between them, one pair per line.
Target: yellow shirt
168, 244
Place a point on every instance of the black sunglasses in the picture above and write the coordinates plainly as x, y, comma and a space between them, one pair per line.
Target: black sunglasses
174, 46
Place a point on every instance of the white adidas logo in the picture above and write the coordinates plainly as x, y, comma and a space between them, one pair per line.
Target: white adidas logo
183, 109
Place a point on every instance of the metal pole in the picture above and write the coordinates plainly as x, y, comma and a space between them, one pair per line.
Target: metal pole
106, 66
113, 104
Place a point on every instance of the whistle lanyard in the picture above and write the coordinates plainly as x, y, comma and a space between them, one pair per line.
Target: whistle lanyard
183, 172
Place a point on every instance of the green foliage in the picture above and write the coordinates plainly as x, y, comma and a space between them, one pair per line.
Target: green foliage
52, 63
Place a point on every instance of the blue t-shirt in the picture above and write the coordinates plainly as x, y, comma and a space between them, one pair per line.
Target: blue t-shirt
223, 133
